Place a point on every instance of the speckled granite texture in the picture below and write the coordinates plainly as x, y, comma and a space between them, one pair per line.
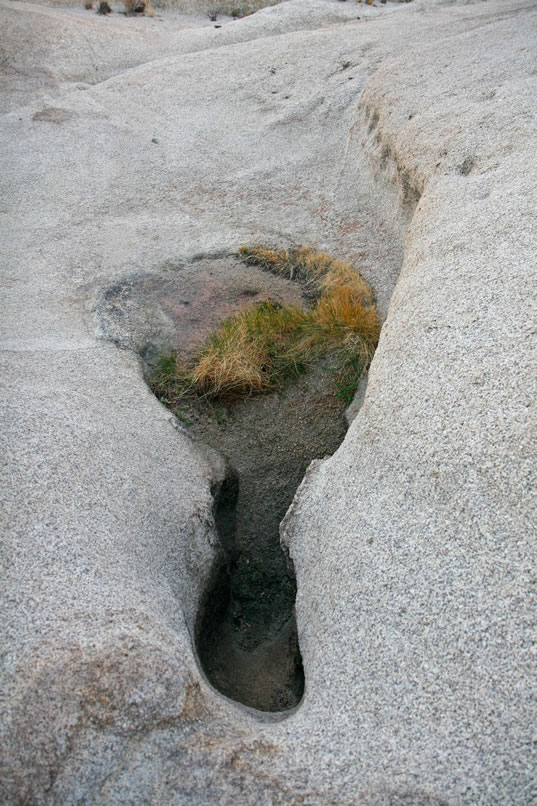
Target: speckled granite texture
398, 136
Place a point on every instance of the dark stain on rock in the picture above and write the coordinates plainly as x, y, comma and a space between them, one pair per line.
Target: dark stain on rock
53, 114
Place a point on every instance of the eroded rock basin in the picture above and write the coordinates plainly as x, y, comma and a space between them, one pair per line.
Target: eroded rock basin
247, 639
246, 632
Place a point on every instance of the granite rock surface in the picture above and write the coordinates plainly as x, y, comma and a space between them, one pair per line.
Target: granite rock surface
400, 137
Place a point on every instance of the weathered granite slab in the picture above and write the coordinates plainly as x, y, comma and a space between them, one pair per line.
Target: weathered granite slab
403, 141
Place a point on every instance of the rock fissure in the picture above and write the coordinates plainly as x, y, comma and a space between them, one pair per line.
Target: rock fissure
246, 635
245, 632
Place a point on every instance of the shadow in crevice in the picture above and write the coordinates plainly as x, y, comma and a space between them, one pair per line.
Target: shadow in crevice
246, 635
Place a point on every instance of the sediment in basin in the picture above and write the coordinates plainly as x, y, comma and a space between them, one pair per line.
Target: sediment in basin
246, 634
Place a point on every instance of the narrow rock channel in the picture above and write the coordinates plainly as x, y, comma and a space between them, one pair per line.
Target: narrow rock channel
246, 635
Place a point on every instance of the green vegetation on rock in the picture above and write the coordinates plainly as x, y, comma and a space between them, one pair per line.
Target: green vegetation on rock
264, 345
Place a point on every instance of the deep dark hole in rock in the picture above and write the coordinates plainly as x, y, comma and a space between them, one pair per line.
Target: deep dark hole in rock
246, 633
246, 636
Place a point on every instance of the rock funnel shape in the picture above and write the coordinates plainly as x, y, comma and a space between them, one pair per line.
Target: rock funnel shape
414, 545
245, 630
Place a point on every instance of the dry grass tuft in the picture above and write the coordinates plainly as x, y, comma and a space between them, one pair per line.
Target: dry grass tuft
341, 315
269, 259
318, 271
260, 347
251, 352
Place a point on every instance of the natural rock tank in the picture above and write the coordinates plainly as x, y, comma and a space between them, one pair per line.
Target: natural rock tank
246, 633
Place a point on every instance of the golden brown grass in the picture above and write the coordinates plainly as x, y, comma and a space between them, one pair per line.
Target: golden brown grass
252, 351
260, 347
316, 270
